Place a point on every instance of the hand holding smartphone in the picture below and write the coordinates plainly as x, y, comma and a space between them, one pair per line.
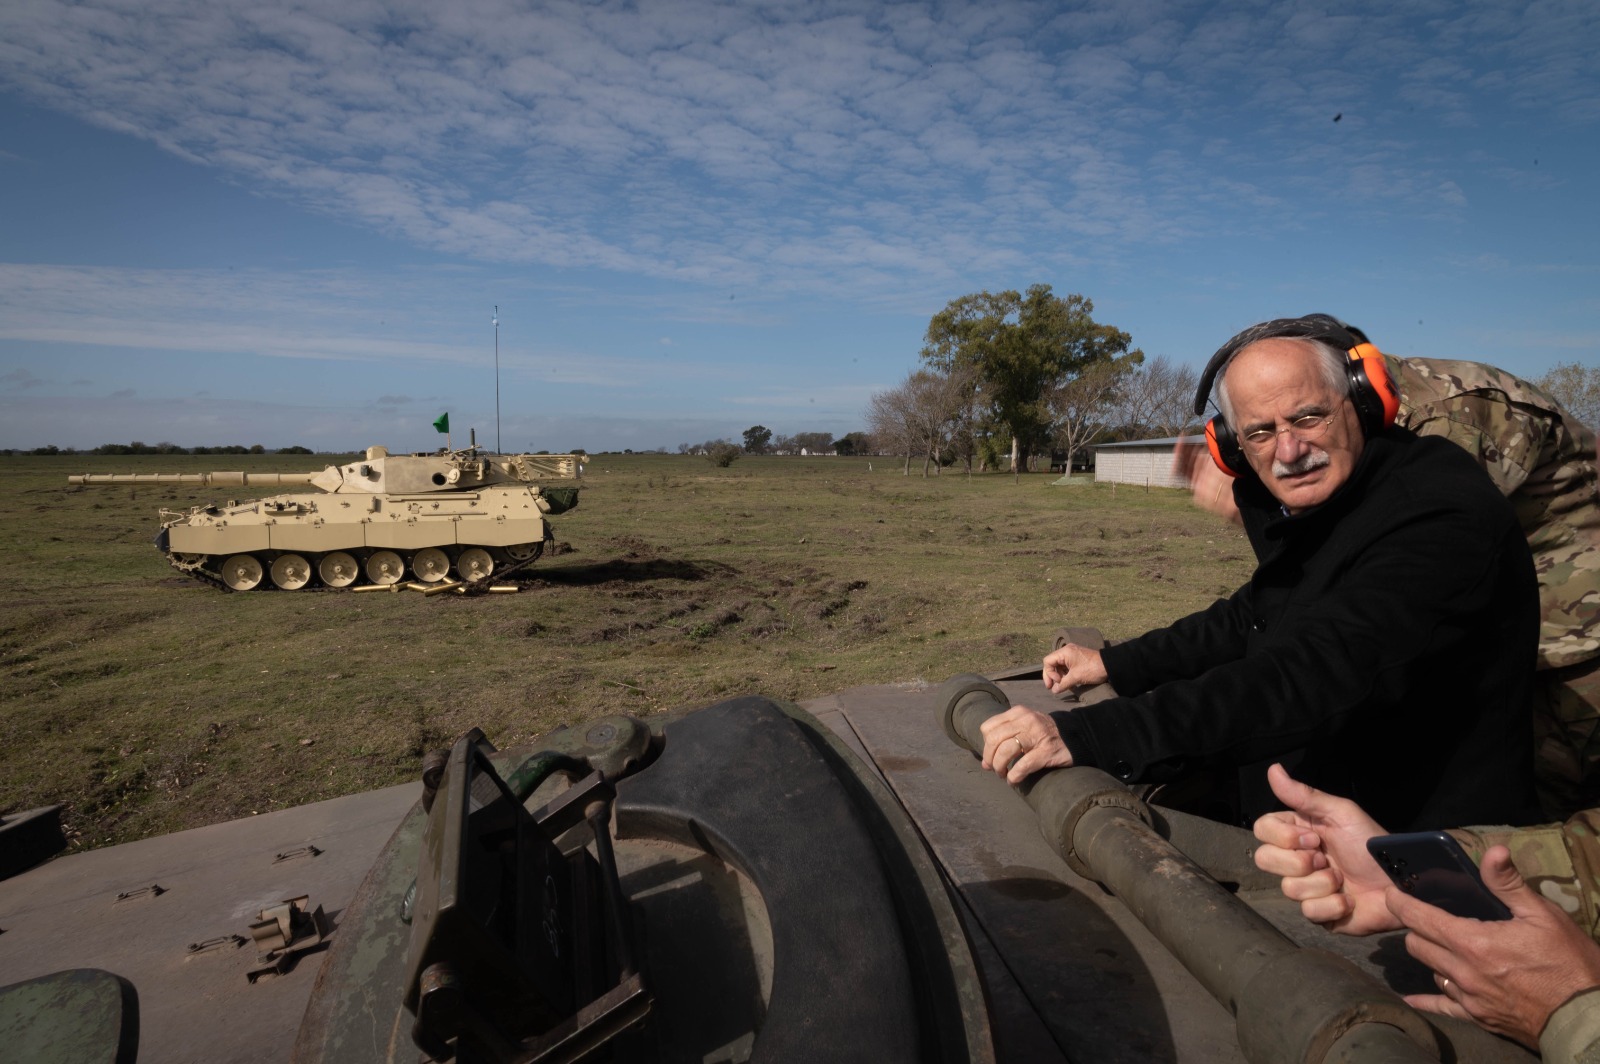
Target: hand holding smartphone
1432, 866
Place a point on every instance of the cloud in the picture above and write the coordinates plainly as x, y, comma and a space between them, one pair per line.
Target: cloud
818, 148
308, 314
21, 379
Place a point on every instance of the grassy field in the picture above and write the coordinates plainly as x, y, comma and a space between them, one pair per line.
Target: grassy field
148, 703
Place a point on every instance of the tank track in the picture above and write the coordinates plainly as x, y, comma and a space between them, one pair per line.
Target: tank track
197, 571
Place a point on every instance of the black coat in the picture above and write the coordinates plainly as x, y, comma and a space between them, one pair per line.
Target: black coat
1384, 646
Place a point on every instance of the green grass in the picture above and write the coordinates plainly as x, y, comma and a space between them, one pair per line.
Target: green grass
148, 703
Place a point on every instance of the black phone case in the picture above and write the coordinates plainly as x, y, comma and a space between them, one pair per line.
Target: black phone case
1432, 866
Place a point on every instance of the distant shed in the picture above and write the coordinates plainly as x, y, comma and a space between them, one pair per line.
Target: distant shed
1145, 462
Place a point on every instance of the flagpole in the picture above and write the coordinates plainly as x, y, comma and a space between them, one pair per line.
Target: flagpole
497, 449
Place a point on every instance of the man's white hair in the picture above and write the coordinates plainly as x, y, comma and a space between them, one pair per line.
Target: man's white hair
1332, 364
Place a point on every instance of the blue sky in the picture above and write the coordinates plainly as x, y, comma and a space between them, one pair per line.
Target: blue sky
282, 223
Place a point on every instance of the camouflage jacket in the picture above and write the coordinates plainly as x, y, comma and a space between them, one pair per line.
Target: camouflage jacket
1560, 861
1544, 460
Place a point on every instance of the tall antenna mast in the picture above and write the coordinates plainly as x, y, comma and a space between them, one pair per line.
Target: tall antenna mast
497, 449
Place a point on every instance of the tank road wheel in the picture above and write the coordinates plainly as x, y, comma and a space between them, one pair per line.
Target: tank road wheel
241, 572
524, 552
474, 564
338, 569
291, 572
431, 565
385, 567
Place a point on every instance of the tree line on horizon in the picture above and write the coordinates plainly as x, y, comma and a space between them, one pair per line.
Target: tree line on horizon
158, 448
1006, 376
758, 439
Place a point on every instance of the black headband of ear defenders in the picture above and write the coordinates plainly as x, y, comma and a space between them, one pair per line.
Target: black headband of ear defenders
1324, 327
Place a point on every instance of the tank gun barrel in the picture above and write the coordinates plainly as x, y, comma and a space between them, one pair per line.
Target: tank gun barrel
214, 480
1288, 1003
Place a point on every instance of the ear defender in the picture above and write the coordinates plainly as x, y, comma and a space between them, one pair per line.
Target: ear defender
1371, 390
1224, 448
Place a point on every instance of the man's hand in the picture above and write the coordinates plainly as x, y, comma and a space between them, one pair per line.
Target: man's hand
1508, 975
1210, 488
1072, 667
1022, 741
1320, 850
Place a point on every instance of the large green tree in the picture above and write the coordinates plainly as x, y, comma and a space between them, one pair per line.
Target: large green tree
756, 438
1022, 347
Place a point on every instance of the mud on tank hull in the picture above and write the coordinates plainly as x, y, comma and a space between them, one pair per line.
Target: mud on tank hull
292, 542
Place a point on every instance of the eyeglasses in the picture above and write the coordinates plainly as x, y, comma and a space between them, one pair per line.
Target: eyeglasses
1305, 429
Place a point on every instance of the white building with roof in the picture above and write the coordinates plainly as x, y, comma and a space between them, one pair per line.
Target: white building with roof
1144, 462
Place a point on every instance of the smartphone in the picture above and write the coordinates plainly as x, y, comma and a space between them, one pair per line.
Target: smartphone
1432, 866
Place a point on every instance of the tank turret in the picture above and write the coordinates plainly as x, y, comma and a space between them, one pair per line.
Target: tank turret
371, 521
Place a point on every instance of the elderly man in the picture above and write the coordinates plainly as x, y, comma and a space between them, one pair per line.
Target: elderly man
1543, 460
1384, 645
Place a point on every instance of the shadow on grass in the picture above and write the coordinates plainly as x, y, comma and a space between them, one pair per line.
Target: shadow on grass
621, 569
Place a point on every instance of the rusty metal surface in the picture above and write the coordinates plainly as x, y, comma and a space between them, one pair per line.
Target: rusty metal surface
215, 882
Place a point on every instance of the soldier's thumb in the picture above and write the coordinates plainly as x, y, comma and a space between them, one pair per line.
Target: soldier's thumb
1502, 877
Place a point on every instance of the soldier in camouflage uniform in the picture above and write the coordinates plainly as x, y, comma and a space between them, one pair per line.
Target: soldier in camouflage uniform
1544, 461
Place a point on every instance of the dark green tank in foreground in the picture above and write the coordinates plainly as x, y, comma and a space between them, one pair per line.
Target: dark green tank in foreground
837, 880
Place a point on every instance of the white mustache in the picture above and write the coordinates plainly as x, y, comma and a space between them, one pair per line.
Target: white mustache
1304, 464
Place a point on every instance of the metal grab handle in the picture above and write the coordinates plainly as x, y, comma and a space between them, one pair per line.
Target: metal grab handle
1288, 1003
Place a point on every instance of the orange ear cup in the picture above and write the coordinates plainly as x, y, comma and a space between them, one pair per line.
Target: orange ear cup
1225, 450
1373, 392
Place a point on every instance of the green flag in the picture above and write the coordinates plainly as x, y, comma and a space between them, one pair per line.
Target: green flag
442, 424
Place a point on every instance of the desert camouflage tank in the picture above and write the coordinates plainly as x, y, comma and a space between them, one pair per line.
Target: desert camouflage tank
370, 522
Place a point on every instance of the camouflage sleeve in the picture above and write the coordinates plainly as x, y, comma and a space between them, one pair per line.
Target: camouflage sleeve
1441, 398
1572, 1034
1543, 460
1560, 861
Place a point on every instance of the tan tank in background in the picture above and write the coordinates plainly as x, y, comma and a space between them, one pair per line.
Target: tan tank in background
464, 513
